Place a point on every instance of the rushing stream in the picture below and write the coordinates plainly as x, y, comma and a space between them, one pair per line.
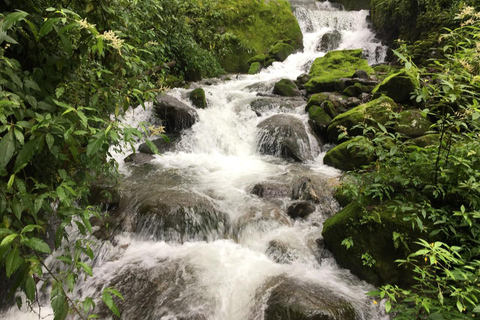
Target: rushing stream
226, 252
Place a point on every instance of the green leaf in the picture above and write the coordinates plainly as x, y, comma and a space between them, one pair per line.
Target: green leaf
12, 18
4, 231
47, 26
95, 144
388, 306
59, 302
7, 149
30, 228
8, 239
30, 288
86, 268
108, 300
19, 136
50, 140
17, 208
12, 262
31, 84
25, 154
38, 245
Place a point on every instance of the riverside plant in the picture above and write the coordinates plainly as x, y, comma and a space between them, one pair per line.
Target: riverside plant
437, 186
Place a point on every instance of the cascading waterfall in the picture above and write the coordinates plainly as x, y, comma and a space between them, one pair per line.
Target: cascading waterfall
221, 251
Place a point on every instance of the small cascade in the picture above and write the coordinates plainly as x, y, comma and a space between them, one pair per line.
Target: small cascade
202, 231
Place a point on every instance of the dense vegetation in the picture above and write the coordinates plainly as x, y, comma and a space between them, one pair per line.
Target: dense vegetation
435, 187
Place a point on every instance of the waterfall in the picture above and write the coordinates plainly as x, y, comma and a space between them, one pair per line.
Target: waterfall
221, 251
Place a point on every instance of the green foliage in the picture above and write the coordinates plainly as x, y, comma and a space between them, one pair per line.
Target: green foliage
437, 187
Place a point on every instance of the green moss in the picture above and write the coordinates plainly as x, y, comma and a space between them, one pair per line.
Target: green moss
258, 25
429, 140
286, 88
173, 82
255, 68
412, 124
316, 100
261, 58
398, 86
280, 51
326, 71
379, 110
329, 108
350, 154
320, 119
198, 98
372, 232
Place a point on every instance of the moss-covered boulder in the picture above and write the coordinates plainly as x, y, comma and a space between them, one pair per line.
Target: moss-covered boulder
339, 101
374, 251
326, 71
357, 89
261, 58
351, 154
428, 140
412, 123
286, 88
257, 25
255, 68
197, 96
378, 110
398, 86
280, 51
319, 119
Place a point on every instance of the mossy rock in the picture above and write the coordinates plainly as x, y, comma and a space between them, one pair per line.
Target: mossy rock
316, 100
357, 89
255, 68
398, 86
320, 119
257, 26
371, 231
351, 154
412, 123
280, 51
269, 62
379, 110
326, 71
329, 108
261, 58
197, 96
429, 140
286, 88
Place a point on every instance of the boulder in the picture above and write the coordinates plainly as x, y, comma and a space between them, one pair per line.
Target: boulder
319, 119
255, 68
175, 115
429, 140
303, 78
197, 96
300, 209
280, 51
412, 123
293, 299
338, 100
398, 86
326, 71
350, 154
286, 88
260, 58
357, 89
262, 104
306, 189
380, 110
139, 158
271, 190
372, 232
284, 136
330, 41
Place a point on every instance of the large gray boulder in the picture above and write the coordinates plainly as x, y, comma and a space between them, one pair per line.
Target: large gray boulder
175, 115
284, 136
330, 41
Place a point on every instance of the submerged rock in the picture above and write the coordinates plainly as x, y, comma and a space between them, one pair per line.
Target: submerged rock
271, 190
300, 209
328, 70
175, 115
293, 299
284, 136
307, 189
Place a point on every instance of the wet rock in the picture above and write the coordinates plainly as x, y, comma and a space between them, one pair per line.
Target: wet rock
284, 136
294, 299
300, 210
261, 217
283, 104
139, 158
398, 86
339, 101
308, 190
412, 124
319, 119
164, 289
303, 78
351, 154
163, 145
197, 96
175, 115
286, 88
361, 74
104, 194
328, 70
270, 190
330, 41
255, 68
